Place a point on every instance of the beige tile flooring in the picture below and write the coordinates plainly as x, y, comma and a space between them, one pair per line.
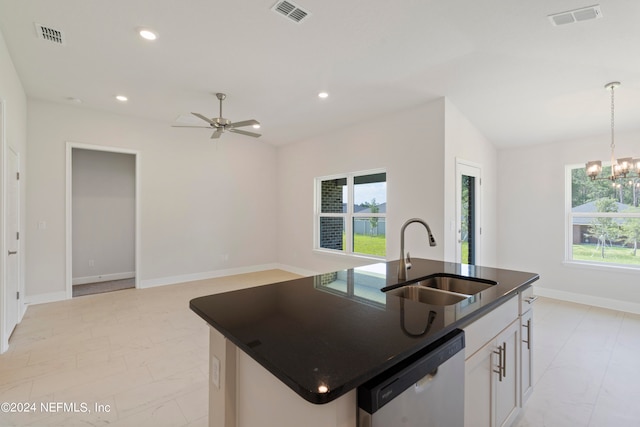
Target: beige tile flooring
586, 367
142, 352
144, 355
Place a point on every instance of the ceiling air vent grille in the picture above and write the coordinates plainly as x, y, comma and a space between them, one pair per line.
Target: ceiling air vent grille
291, 10
577, 15
49, 34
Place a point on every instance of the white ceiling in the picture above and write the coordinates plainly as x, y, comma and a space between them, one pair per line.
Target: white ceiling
518, 78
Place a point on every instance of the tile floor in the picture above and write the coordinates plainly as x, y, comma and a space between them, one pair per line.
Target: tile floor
586, 367
141, 354
142, 357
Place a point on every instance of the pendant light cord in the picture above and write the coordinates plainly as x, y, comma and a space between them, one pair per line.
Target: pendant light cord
613, 144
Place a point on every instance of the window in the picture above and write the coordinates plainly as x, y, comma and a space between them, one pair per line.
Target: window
351, 213
468, 195
603, 220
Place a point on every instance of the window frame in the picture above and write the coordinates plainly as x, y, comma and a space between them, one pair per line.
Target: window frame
570, 215
348, 216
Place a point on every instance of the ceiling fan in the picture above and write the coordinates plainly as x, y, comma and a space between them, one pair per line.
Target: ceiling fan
220, 124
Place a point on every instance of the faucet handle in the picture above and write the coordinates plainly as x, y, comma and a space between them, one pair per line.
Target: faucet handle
408, 264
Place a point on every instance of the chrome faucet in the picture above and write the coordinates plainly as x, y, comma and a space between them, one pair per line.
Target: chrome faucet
405, 264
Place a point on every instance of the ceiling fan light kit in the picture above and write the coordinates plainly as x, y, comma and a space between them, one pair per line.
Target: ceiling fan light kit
621, 168
220, 124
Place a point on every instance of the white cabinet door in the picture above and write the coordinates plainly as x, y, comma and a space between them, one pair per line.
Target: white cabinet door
492, 381
507, 382
526, 361
478, 391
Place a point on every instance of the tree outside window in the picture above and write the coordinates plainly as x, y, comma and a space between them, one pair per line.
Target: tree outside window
604, 220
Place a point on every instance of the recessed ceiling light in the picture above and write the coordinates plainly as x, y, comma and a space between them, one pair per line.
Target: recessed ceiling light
122, 98
74, 100
256, 126
323, 95
148, 34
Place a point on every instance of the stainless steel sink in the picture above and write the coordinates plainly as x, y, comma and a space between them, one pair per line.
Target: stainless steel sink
456, 284
427, 295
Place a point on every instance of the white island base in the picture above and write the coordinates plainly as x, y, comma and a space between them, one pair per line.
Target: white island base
244, 394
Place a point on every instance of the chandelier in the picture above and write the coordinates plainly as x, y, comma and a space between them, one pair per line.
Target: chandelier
620, 168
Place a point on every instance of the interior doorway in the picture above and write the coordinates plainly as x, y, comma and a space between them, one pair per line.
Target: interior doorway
468, 229
102, 219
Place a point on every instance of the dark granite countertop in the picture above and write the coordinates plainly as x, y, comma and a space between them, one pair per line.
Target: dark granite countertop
325, 335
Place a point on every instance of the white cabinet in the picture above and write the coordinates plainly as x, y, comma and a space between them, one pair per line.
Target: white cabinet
506, 382
478, 393
526, 344
491, 375
492, 371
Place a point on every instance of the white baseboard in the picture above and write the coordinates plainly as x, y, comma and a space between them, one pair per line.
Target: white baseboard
630, 307
45, 298
103, 278
172, 280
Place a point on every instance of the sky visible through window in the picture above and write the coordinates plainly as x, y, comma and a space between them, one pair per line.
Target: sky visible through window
367, 192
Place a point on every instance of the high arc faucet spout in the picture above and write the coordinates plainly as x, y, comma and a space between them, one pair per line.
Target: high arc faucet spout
403, 267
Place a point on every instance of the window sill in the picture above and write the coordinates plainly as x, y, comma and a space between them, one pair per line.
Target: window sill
348, 255
601, 267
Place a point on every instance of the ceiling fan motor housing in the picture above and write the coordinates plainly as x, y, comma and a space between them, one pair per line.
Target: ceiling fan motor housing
221, 122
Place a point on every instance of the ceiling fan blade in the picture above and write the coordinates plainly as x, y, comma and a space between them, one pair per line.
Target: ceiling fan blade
189, 126
244, 123
205, 118
244, 132
217, 133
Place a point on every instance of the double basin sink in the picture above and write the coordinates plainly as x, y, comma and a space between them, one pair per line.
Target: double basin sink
442, 289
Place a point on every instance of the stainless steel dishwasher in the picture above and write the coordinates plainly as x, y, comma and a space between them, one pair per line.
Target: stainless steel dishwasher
426, 390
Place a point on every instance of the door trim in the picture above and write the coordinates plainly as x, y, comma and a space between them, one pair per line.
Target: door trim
469, 169
69, 209
4, 341
9, 297
4, 248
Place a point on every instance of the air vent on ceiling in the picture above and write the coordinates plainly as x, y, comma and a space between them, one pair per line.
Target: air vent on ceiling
576, 15
291, 11
49, 34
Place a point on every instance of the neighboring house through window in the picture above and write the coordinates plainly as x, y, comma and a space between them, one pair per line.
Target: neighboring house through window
603, 220
351, 212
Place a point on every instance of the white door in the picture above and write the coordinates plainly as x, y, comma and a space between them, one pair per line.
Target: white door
468, 230
13, 241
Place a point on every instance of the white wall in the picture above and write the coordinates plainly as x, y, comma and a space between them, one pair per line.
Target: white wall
409, 145
531, 206
15, 134
206, 206
463, 141
104, 213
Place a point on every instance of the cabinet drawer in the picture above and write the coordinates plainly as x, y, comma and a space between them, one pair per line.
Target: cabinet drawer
483, 330
526, 299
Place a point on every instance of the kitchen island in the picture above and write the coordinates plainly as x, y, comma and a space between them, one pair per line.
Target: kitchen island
296, 351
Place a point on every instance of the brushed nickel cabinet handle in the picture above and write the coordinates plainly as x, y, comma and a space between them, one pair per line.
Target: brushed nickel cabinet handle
504, 360
13, 252
528, 340
500, 370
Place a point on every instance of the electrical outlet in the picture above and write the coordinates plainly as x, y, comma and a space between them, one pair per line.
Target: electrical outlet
92, 263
